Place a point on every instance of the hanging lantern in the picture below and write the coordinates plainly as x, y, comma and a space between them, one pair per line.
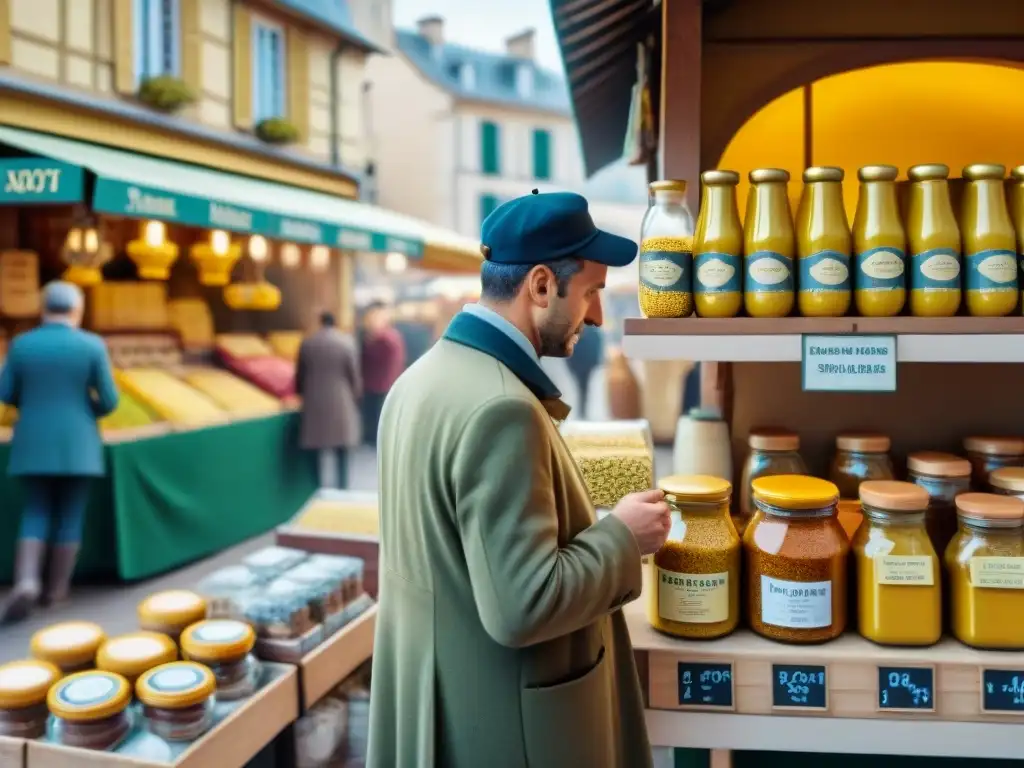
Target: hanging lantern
85, 254
320, 258
290, 255
152, 253
260, 296
259, 249
216, 258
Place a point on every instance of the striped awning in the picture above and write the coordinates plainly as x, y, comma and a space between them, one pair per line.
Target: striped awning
599, 41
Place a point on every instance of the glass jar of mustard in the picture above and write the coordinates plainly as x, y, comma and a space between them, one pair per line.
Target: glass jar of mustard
899, 598
225, 646
823, 245
71, 645
795, 555
772, 452
90, 710
695, 576
23, 689
177, 700
859, 456
985, 561
944, 476
132, 654
1007, 481
666, 252
171, 611
988, 453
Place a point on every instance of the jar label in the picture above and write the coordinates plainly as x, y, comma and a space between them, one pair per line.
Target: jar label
175, 679
880, 269
693, 598
86, 691
219, 631
905, 571
718, 273
935, 269
796, 604
992, 270
825, 271
769, 272
666, 270
997, 572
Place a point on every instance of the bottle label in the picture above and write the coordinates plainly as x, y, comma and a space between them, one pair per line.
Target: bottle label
825, 271
796, 604
992, 270
904, 571
880, 269
718, 273
997, 572
666, 270
935, 269
693, 598
769, 272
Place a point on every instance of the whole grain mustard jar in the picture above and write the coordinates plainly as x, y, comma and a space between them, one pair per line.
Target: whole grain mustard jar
985, 561
989, 453
695, 576
177, 700
795, 556
132, 654
71, 645
225, 646
944, 476
773, 451
90, 710
899, 594
23, 689
666, 253
1007, 481
171, 611
859, 456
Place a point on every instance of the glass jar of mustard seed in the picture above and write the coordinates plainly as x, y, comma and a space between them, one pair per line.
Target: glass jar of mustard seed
90, 710
773, 451
988, 453
177, 700
225, 646
23, 689
695, 576
1007, 481
795, 556
899, 599
171, 611
132, 654
859, 456
944, 476
71, 645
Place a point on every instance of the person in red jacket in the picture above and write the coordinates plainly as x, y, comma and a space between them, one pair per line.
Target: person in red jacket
383, 362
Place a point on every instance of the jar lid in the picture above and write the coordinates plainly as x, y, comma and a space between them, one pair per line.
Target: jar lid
176, 685
89, 696
978, 171
178, 607
795, 491
720, 177
274, 558
667, 185
233, 578
699, 488
216, 640
773, 439
1017, 174
68, 644
704, 414
132, 654
1007, 478
863, 442
878, 173
995, 446
938, 464
893, 495
822, 173
928, 172
989, 506
767, 175
26, 683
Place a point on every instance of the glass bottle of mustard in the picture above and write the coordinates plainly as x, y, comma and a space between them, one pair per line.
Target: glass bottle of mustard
934, 241
769, 244
823, 245
989, 243
880, 244
718, 248
1016, 201
666, 253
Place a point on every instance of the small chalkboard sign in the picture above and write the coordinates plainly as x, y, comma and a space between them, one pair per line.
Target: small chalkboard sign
1002, 690
705, 685
909, 689
799, 686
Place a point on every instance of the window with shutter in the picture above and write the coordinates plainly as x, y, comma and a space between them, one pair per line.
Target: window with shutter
157, 38
268, 72
490, 148
542, 154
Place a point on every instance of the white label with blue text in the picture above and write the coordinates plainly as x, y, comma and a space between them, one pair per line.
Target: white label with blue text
849, 363
796, 604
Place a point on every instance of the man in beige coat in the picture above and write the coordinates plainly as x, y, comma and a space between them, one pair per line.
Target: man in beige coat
500, 640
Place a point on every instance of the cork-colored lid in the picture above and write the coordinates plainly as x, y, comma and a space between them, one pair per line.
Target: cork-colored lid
773, 439
701, 488
989, 506
893, 495
863, 442
995, 446
938, 464
1007, 478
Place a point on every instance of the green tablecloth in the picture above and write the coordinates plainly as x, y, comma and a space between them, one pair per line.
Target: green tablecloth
169, 500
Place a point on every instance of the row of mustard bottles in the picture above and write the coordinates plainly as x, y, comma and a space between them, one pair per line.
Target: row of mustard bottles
682, 270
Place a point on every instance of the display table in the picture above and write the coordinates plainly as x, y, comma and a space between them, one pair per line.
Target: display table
12, 752
326, 666
172, 499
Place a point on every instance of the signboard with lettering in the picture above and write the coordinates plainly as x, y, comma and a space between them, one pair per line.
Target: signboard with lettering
849, 363
33, 180
1002, 691
799, 686
705, 685
906, 689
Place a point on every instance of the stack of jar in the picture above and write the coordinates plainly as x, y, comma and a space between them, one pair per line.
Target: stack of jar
723, 268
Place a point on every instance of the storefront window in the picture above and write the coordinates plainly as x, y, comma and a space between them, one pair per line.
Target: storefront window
158, 37
268, 71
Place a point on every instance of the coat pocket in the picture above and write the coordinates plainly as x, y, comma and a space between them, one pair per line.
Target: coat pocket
571, 724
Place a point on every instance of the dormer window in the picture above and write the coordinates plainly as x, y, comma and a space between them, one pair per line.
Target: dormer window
524, 81
467, 77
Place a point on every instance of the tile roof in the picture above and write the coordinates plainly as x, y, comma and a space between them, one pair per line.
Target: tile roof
334, 15
494, 75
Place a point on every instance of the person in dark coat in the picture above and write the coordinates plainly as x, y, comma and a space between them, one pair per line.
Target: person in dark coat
383, 362
328, 379
587, 355
60, 379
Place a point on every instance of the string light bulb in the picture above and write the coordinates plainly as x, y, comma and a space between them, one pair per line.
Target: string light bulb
395, 262
220, 242
319, 257
290, 255
73, 242
258, 248
154, 233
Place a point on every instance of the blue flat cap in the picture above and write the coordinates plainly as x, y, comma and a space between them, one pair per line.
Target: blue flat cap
539, 228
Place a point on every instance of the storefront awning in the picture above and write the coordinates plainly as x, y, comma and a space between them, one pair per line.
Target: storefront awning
144, 187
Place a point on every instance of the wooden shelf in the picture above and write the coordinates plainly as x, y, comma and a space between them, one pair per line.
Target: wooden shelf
745, 339
336, 658
12, 752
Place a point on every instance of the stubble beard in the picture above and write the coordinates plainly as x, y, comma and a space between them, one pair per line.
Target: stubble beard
558, 336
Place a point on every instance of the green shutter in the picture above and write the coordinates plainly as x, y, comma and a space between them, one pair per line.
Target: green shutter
541, 154
490, 146
487, 204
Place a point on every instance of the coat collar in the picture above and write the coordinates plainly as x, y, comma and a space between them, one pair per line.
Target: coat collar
471, 331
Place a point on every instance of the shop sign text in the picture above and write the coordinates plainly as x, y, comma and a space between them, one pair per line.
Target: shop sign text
39, 180
849, 363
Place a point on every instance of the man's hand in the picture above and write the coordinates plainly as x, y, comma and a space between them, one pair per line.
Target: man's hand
646, 516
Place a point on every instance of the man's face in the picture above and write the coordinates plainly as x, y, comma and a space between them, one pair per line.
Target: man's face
561, 321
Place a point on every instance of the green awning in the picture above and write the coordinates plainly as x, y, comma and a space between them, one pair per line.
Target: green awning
139, 186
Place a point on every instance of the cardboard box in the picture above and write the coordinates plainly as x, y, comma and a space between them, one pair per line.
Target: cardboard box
12, 752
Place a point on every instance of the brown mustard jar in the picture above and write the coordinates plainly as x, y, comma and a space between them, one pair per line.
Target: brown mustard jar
1007, 481
944, 476
859, 456
773, 451
989, 453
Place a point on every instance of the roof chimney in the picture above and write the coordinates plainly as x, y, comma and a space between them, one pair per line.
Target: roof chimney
432, 28
520, 46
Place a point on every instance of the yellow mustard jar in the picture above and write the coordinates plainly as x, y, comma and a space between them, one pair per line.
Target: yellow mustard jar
718, 248
769, 245
224, 645
823, 244
71, 645
985, 561
1016, 201
899, 593
90, 710
23, 689
989, 243
177, 700
934, 241
171, 611
132, 654
880, 244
